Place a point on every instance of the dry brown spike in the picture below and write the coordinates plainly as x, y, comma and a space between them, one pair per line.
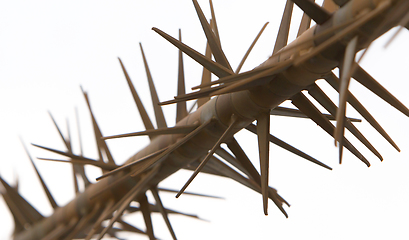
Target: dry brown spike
263, 131
30, 214
163, 211
102, 166
250, 48
255, 79
212, 40
216, 68
252, 128
45, 188
102, 146
345, 77
146, 212
226, 134
144, 115
155, 132
282, 36
129, 165
314, 11
206, 77
160, 118
214, 23
369, 82
226, 156
181, 110
291, 112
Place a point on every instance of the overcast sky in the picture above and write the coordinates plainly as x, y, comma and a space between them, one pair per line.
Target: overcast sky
48, 49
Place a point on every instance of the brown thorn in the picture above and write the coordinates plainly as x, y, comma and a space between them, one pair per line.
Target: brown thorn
226, 134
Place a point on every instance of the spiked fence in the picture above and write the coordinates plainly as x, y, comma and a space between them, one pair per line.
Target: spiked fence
241, 118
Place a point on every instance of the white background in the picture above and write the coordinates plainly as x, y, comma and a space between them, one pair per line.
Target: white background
48, 49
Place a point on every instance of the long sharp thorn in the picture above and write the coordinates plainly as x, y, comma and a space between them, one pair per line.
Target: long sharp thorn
181, 110
250, 48
341, 150
73, 166
317, 13
78, 159
163, 211
282, 36
369, 82
226, 171
79, 131
214, 67
67, 154
302, 103
226, 134
19, 218
188, 193
241, 156
133, 163
154, 208
68, 139
252, 128
290, 112
334, 82
80, 169
241, 85
103, 166
195, 95
231, 159
129, 228
206, 169
160, 118
146, 212
402, 24
345, 72
45, 188
155, 132
263, 131
206, 76
59, 131
29, 212
144, 115
151, 162
304, 24
211, 38
214, 23
98, 135
326, 102
233, 78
